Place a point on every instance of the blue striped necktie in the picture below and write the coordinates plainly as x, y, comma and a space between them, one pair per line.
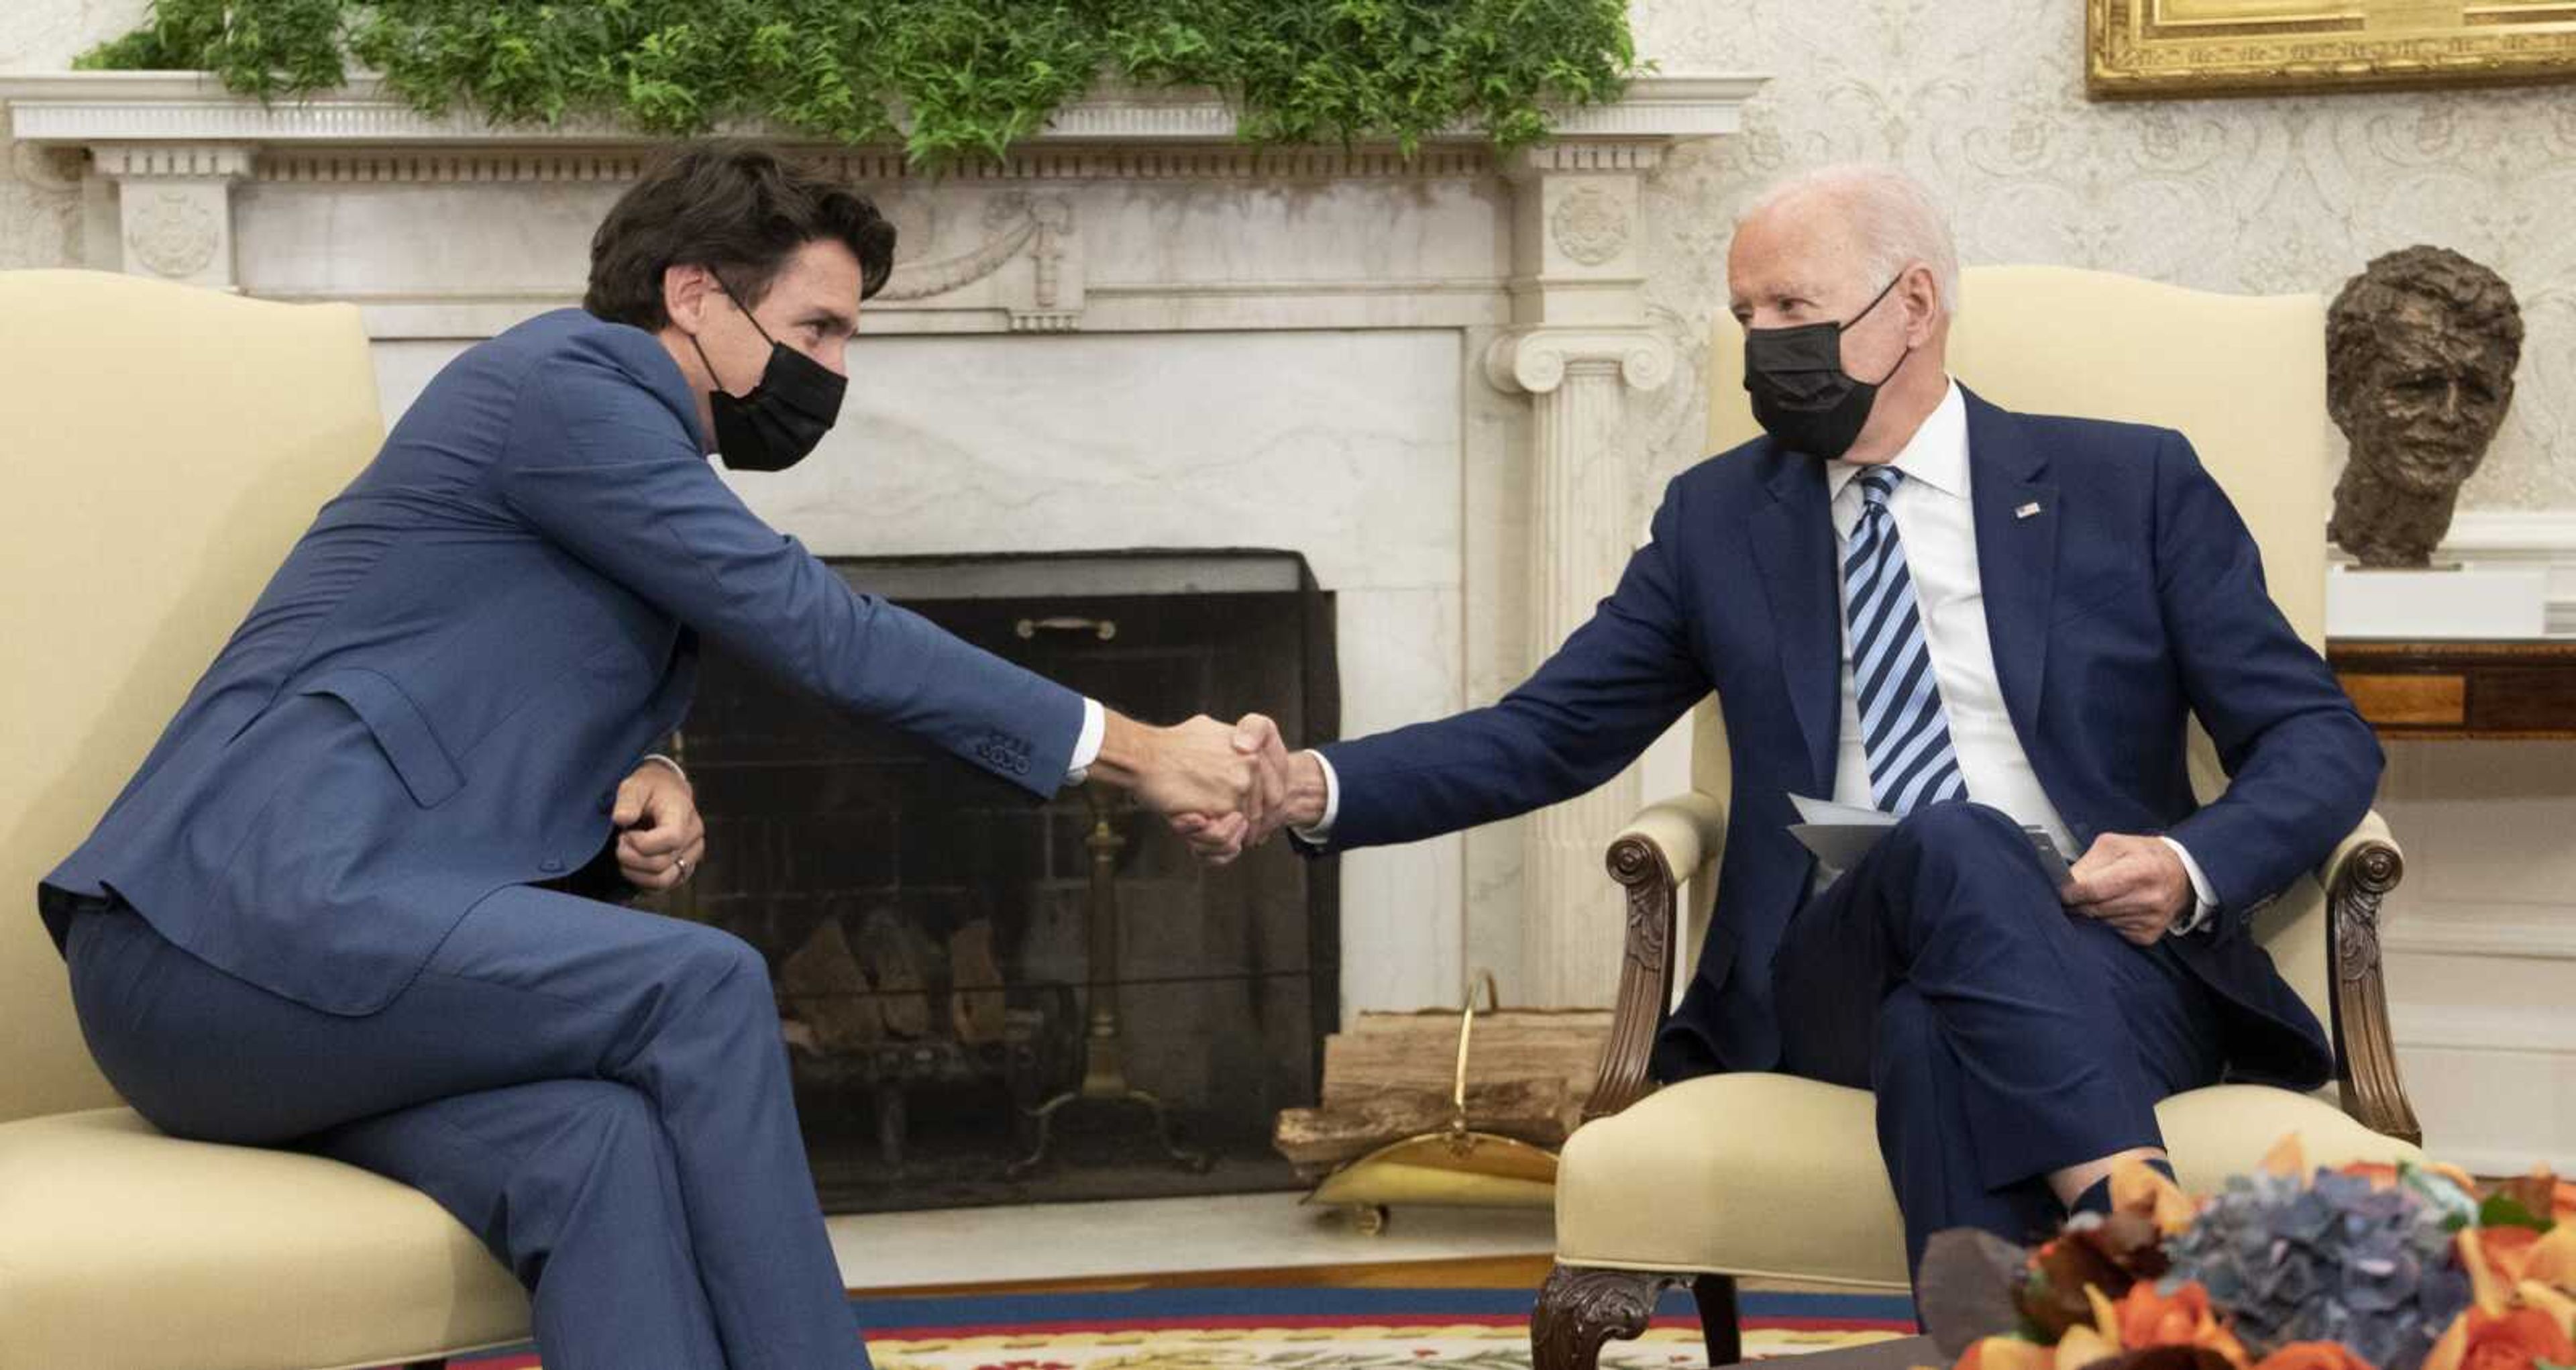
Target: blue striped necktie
1904, 731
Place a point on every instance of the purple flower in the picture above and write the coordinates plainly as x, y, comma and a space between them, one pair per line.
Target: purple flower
2334, 1260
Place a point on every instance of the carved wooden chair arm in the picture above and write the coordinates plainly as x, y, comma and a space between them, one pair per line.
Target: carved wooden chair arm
2363, 869
1667, 843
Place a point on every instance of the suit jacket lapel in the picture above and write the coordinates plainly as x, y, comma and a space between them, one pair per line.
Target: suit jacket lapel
2017, 518
1793, 542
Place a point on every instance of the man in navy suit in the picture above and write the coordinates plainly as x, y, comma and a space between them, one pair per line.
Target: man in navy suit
1978, 620
334, 910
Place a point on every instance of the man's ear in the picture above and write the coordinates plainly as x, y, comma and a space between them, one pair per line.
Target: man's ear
685, 292
1922, 292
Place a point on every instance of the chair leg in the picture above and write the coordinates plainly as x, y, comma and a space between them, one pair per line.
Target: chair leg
1581, 1307
1718, 1323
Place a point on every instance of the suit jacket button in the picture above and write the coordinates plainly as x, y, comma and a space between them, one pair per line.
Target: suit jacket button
552, 864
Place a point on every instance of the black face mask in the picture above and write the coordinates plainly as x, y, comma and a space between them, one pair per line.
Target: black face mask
785, 415
1801, 394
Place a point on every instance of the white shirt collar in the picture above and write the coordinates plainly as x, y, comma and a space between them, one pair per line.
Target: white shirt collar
1937, 454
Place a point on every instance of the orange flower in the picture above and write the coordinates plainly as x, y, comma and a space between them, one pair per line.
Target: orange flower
2560, 1308
2182, 1318
2148, 1318
2518, 1339
2506, 1250
2552, 1259
2287, 1157
2314, 1355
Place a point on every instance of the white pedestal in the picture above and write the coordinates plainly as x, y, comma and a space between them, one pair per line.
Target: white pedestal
2457, 602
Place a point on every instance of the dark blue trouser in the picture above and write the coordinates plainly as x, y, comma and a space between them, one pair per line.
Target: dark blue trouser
599, 1094
2004, 1036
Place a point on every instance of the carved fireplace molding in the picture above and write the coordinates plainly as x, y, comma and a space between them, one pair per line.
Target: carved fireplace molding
1134, 214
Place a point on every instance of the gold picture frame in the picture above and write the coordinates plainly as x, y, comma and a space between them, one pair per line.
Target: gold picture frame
2166, 49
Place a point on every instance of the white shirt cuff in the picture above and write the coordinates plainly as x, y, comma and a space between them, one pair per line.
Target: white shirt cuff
2204, 899
1086, 748
676, 768
1322, 832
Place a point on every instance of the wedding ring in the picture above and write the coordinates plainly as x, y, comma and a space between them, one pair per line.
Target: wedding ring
683, 863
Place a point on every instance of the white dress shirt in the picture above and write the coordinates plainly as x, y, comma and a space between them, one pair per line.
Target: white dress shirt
1937, 525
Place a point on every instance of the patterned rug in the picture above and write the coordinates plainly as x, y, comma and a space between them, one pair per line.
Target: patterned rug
1306, 1329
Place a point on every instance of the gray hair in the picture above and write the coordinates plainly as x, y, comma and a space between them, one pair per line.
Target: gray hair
1891, 213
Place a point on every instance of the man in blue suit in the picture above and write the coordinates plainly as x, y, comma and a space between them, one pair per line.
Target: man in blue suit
1910, 599
334, 910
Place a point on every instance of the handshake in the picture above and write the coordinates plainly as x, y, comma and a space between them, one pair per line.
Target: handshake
1224, 788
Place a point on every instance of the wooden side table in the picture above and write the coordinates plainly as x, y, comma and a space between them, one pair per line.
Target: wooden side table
2525, 688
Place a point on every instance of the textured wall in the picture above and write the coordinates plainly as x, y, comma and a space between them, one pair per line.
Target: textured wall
1984, 100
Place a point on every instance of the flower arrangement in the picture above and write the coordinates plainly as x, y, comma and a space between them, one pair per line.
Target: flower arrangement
2362, 1267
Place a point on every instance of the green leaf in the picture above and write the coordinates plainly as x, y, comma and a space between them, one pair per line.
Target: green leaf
2502, 1211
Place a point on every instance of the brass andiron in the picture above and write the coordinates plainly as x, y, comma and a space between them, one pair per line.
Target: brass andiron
1104, 1074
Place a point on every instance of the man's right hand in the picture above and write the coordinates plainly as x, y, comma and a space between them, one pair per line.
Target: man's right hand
1293, 785
1189, 768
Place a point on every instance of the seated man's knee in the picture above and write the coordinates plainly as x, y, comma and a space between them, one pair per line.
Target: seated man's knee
604, 1108
1957, 826
718, 966
1969, 862
1960, 835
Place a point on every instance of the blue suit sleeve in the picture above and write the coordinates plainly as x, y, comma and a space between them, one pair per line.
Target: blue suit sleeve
1618, 682
2302, 766
608, 472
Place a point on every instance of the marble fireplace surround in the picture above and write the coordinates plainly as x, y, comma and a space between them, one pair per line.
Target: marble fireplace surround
1133, 334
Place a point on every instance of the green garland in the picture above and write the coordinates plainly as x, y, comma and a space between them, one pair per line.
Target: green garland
975, 75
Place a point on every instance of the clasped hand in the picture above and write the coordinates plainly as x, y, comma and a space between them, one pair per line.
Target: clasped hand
1250, 786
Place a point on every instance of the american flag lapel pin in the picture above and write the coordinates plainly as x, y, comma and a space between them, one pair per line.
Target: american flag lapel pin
2026, 510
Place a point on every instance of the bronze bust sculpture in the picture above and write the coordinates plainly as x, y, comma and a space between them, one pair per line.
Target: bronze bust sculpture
2420, 355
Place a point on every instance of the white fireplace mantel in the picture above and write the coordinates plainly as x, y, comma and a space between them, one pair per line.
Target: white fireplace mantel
90, 107
1134, 331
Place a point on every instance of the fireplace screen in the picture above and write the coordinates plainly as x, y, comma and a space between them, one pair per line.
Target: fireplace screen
988, 999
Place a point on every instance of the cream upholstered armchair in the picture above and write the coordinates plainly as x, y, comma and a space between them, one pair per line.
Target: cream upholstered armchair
165, 446
1766, 1175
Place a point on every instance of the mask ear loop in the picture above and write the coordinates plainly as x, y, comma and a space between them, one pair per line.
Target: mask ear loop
748, 317
710, 366
1842, 328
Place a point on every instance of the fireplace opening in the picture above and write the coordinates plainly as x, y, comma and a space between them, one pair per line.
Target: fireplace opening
992, 1000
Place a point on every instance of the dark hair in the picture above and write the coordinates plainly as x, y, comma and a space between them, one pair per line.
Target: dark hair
737, 209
